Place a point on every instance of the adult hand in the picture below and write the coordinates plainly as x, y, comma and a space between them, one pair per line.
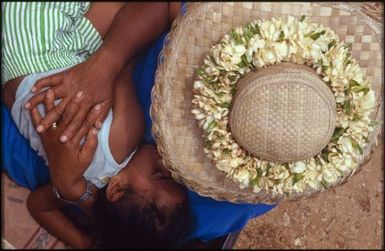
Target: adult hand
97, 75
94, 77
68, 161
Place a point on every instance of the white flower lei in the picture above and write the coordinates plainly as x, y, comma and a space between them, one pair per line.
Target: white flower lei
262, 43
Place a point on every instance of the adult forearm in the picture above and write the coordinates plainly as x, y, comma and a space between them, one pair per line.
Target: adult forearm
135, 26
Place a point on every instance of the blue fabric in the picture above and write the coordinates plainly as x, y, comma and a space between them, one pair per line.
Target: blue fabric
18, 160
143, 76
212, 218
217, 218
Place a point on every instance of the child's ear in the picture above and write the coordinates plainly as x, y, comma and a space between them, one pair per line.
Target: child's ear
114, 190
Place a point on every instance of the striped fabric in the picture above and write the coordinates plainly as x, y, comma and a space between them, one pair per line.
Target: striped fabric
42, 36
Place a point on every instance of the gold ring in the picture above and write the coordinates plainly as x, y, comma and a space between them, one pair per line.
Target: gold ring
54, 125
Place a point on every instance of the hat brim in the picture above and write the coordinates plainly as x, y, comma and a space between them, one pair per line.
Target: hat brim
175, 129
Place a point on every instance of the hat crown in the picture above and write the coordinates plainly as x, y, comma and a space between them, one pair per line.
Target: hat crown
283, 113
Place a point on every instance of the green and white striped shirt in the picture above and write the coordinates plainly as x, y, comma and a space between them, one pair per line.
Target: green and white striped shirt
42, 36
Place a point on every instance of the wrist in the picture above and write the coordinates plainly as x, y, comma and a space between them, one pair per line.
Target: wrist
69, 190
109, 60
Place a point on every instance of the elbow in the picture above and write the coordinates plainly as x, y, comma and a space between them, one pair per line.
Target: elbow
34, 203
30, 203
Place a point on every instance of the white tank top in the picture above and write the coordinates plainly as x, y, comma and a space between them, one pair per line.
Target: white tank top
103, 165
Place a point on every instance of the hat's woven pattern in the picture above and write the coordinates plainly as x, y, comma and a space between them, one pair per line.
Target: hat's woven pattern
175, 129
283, 113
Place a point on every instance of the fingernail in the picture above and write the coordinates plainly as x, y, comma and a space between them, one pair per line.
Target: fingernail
79, 94
63, 138
94, 131
33, 89
39, 128
98, 124
97, 107
27, 105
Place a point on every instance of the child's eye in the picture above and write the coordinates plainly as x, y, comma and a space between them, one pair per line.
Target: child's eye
159, 175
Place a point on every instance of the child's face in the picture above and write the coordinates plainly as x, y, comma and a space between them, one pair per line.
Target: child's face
148, 177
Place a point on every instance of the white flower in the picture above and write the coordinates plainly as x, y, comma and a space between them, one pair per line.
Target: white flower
305, 43
235, 162
322, 43
359, 76
299, 186
358, 126
249, 54
256, 189
279, 172
335, 158
265, 183
257, 59
342, 119
268, 56
337, 56
311, 164
216, 153
293, 47
258, 44
315, 52
346, 144
198, 114
208, 121
242, 176
198, 84
330, 176
290, 27
223, 165
239, 49
349, 162
345, 163
304, 28
277, 189
236, 59
236, 52
281, 49
298, 167
353, 71
266, 30
366, 102
229, 56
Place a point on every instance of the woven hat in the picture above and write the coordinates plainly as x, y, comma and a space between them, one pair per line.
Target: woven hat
281, 113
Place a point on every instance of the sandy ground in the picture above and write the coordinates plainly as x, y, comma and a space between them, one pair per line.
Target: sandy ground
349, 216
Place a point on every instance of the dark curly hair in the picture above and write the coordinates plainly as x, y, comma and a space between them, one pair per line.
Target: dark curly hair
134, 222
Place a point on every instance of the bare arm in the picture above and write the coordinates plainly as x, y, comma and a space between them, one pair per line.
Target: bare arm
45, 209
134, 27
127, 128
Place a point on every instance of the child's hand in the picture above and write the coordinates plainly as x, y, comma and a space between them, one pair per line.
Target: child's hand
95, 77
68, 161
